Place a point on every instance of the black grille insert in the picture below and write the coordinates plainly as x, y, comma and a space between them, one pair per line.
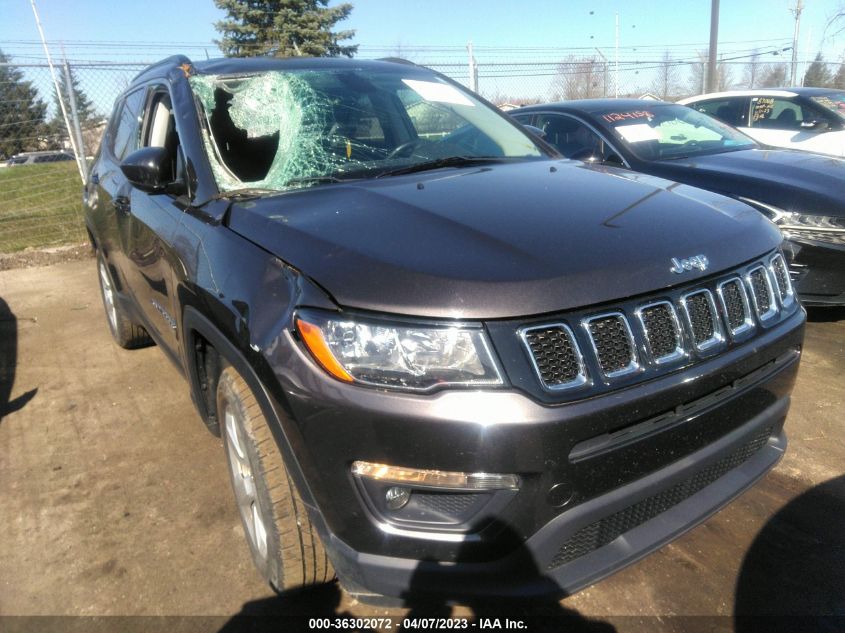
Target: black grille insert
702, 318
735, 305
612, 341
661, 329
450, 504
782, 279
759, 281
555, 355
606, 530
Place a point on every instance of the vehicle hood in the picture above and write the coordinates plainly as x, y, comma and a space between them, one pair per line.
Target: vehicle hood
501, 241
790, 179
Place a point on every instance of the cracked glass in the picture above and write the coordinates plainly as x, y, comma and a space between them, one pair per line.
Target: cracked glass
284, 130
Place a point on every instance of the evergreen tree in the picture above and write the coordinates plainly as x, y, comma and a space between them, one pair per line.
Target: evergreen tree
839, 78
84, 108
88, 116
22, 125
818, 75
283, 28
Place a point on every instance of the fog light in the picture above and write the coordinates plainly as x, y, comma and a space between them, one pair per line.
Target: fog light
396, 497
435, 478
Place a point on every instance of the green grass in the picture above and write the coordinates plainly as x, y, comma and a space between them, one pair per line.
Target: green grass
40, 205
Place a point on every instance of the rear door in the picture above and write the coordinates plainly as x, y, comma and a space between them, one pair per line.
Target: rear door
107, 190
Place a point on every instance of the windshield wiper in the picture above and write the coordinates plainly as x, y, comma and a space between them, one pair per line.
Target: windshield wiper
318, 180
437, 163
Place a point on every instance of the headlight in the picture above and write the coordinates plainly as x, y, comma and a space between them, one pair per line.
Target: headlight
820, 228
415, 357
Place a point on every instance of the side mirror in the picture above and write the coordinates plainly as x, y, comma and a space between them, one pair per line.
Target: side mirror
815, 125
150, 169
535, 131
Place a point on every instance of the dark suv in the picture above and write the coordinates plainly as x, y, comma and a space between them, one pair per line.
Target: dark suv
442, 359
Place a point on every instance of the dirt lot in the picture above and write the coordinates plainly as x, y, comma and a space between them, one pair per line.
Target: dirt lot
115, 499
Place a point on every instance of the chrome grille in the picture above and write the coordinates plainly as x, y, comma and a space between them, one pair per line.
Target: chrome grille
702, 319
667, 330
662, 331
555, 355
613, 344
761, 293
735, 305
781, 276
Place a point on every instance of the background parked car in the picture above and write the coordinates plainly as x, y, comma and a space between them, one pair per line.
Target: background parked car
802, 192
34, 158
811, 119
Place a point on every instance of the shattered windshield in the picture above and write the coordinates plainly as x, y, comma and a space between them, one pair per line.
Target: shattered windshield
664, 132
282, 130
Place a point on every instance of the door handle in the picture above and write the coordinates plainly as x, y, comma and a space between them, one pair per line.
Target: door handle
121, 203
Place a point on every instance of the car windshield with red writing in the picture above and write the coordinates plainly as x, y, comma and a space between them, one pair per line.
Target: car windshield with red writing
671, 132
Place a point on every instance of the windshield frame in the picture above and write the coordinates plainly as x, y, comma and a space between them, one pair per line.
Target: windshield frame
630, 148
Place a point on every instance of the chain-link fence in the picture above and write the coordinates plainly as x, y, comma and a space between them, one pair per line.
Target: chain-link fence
44, 151
40, 200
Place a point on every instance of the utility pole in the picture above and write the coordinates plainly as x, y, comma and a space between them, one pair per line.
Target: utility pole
604, 61
79, 158
714, 42
808, 46
77, 130
799, 7
473, 69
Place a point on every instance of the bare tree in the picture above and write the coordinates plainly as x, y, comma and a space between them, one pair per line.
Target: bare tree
698, 75
579, 78
773, 75
697, 78
753, 70
666, 82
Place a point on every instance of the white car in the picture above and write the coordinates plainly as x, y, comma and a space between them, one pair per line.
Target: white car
811, 119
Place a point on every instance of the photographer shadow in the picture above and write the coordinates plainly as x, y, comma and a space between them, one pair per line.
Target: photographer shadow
537, 603
431, 594
9, 363
793, 575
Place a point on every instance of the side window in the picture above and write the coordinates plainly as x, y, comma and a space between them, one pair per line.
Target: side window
730, 111
126, 133
522, 119
159, 128
572, 138
782, 114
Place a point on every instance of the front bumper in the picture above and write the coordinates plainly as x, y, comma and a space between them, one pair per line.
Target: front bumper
723, 431
534, 569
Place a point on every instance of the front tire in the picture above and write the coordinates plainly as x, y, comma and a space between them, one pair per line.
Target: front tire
285, 546
124, 332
